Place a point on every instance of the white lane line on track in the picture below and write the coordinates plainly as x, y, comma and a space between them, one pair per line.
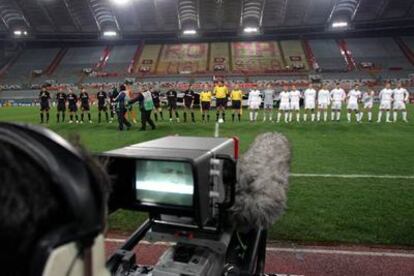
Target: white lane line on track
303, 250
141, 242
115, 240
341, 252
352, 176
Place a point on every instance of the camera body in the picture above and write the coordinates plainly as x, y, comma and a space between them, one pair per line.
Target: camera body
186, 185
189, 178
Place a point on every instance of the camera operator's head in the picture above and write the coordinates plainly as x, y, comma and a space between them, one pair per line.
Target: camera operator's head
53, 198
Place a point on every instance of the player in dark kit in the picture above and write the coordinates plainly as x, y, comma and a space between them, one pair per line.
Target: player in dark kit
61, 105
189, 97
172, 104
85, 105
112, 102
44, 98
73, 106
157, 105
102, 105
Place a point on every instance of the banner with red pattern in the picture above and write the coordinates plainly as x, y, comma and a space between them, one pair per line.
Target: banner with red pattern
261, 57
183, 58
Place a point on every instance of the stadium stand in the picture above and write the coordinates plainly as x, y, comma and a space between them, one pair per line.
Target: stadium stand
409, 41
29, 62
100, 65
294, 55
382, 53
328, 55
407, 46
3, 62
75, 61
120, 58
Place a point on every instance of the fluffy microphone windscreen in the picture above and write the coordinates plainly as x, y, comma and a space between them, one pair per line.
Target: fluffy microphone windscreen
263, 182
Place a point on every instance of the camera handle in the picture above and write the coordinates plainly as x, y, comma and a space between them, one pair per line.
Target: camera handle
229, 180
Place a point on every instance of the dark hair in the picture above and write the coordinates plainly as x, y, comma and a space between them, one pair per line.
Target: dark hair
31, 206
122, 87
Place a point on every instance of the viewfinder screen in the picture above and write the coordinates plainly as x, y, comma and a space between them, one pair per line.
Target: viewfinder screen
164, 182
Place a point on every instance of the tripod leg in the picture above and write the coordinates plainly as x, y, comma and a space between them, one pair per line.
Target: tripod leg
261, 253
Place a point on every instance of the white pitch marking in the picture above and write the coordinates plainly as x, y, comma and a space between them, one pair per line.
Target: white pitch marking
301, 250
341, 252
352, 176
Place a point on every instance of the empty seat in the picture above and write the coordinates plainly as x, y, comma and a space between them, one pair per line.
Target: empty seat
28, 61
120, 58
409, 41
383, 52
294, 55
75, 60
328, 55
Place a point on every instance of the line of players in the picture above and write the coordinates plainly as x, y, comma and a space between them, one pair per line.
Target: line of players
316, 103
390, 99
72, 102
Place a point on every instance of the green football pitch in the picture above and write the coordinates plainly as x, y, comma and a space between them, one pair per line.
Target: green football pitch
335, 204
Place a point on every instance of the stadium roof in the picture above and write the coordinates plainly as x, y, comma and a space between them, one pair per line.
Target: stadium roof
169, 18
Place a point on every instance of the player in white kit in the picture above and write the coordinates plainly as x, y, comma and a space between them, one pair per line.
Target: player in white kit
310, 103
254, 103
294, 104
401, 97
385, 104
284, 105
353, 98
338, 95
323, 103
368, 101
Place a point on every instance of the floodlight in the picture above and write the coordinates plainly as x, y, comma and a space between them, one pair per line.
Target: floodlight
121, 2
110, 33
190, 32
250, 30
20, 33
339, 24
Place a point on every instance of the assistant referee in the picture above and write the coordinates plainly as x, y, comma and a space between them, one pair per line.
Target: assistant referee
236, 97
205, 99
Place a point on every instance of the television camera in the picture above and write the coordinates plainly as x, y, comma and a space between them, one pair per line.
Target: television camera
186, 185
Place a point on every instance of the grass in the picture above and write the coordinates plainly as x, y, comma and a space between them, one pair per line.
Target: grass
372, 211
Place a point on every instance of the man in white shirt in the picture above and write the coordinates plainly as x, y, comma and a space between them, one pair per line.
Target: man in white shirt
386, 100
401, 97
368, 101
284, 105
353, 98
254, 103
338, 95
310, 103
323, 103
294, 103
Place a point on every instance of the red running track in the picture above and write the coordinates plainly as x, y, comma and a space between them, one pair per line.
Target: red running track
310, 260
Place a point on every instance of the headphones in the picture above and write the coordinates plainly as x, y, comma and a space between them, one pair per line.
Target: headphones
74, 180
